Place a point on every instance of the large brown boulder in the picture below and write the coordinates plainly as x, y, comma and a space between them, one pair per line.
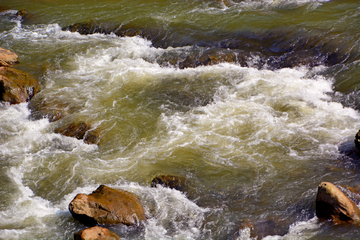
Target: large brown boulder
80, 130
96, 233
17, 86
107, 206
7, 57
331, 203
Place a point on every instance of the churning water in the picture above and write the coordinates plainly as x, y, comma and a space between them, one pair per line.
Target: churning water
254, 133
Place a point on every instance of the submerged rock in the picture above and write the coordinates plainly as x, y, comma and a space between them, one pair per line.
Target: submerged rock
8, 57
107, 206
261, 229
17, 86
121, 30
200, 57
21, 15
174, 182
80, 130
274, 49
51, 109
331, 203
26, 16
96, 233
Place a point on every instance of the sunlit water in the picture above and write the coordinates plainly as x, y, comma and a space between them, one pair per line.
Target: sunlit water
254, 142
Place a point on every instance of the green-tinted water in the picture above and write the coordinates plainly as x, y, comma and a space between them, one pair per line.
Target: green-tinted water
253, 136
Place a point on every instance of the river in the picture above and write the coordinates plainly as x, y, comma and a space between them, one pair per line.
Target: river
254, 135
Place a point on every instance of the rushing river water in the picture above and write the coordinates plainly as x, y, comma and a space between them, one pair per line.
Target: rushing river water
254, 136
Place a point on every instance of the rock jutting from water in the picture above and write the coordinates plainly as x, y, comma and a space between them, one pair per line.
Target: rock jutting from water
261, 229
22, 15
174, 182
17, 86
80, 130
8, 57
332, 203
96, 233
107, 206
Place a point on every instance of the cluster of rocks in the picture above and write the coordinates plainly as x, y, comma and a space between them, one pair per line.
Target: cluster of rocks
108, 206
17, 86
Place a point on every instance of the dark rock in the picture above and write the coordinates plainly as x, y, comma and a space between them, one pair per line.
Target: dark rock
11, 15
25, 16
122, 30
96, 233
7, 57
357, 140
331, 203
107, 206
274, 49
77, 130
80, 130
199, 57
17, 86
92, 137
174, 182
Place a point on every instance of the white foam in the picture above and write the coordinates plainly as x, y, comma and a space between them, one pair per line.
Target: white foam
50, 32
250, 5
298, 231
24, 136
166, 206
27, 211
267, 105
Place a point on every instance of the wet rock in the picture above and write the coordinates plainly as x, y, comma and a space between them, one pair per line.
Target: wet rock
80, 130
357, 140
121, 30
53, 113
353, 193
96, 233
90, 28
274, 49
107, 206
331, 203
174, 182
261, 229
77, 130
92, 137
52, 108
201, 57
25, 16
7, 57
17, 86
11, 15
